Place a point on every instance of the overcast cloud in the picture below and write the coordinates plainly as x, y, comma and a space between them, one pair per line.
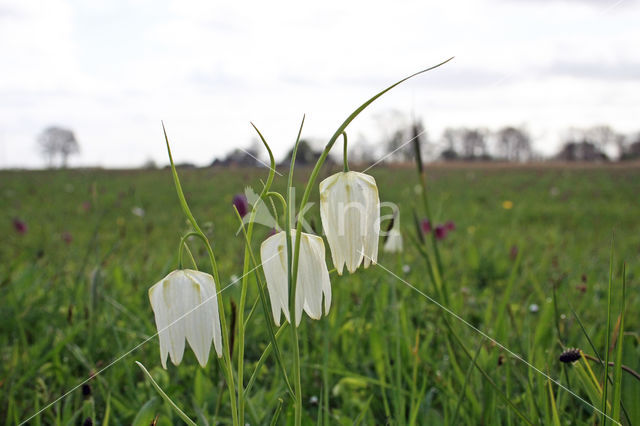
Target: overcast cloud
111, 70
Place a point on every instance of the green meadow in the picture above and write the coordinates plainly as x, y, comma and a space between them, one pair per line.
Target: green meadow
533, 267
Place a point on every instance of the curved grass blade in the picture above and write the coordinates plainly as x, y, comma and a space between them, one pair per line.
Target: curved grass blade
617, 375
164, 396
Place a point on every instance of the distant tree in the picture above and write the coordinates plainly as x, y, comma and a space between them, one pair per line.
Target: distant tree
577, 148
588, 144
602, 137
306, 155
466, 144
150, 164
452, 138
361, 151
238, 158
475, 144
394, 128
632, 150
57, 141
514, 144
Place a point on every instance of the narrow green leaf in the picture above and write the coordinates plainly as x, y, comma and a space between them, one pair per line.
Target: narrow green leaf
164, 396
617, 385
554, 409
607, 337
265, 310
147, 413
276, 414
176, 180
466, 382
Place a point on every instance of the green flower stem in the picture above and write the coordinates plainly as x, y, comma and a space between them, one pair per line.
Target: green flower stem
607, 336
262, 360
240, 313
293, 266
226, 365
267, 318
183, 246
434, 243
280, 198
345, 167
248, 233
332, 141
292, 272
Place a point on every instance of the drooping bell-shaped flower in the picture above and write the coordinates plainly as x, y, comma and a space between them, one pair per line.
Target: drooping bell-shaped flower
350, 213
393, 244
186, 307
425, 225
241, 204
20, 226
441, 232
312, 281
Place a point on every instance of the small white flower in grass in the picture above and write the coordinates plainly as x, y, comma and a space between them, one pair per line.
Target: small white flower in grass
350, 213
186, 307
312, 282
394, 241
138, 211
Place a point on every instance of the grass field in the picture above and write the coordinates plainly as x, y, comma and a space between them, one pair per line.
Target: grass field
73, 299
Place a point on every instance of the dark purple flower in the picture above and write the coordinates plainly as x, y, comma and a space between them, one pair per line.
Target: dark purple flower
241, 204
67, 237
450, 226
20, 226
86, 206
426, 226
441, 232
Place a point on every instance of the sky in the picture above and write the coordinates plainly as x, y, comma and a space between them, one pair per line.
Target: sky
112, 70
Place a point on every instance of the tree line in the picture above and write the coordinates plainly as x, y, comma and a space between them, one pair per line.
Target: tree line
509, 143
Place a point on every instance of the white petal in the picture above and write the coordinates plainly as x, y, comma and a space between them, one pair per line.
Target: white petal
373, 219
185, 308
312, 279
350, 213
162, 320
331, 219
199, 321
320, 277
309, 290
273, 255
175, 306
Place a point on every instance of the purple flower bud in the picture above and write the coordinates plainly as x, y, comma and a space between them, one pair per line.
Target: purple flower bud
241, 204
20, 226
441, 232
426, 226
513, 252
450, 226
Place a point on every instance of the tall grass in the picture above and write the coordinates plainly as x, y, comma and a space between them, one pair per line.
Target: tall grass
384, 353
